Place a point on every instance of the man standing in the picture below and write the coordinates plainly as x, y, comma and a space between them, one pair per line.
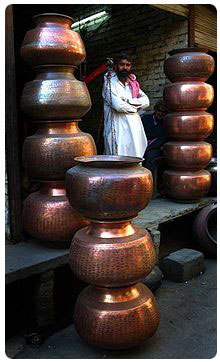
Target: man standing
123, 130
156, 134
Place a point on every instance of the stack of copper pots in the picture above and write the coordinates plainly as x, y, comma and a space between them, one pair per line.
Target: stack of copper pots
188, 124
111, 253
56, 101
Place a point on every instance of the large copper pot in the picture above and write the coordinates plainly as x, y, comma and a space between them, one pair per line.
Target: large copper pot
186, 186
55, 94
189, 64
52, 40
48, 216
116, 318
186, 96
112, 253
187, 155
50, 152
109, 187
189, 126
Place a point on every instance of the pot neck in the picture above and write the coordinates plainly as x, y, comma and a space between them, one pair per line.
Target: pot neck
110, 229
53, 188
51, 128
117, 295
51, 71
49, 20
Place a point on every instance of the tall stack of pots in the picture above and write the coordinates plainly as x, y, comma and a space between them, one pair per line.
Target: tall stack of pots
55, 100
188, 124
111, 253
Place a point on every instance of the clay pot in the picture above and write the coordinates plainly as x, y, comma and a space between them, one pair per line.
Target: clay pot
189, 64
189, 126
112, 253
186, 186
52, 40
205, 229
187, 96
116, 318
109, 187
55, 94
50, 152
187, 155
48, 216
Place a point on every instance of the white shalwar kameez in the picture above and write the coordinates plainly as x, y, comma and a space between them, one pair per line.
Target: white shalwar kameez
129, 131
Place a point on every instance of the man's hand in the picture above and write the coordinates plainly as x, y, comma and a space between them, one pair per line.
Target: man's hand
135, 105
132, 104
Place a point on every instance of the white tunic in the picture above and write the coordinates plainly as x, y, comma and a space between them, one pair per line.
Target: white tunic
129, 131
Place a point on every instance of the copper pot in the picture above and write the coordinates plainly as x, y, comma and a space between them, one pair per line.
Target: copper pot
116, 318
109, 187
48, 216
50, 152
186, 96
186, 186
189, 126
187, 155
189, 64
52, 40
55, 94
112, 253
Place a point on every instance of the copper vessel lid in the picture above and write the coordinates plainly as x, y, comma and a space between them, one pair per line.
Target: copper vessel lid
52, 14
108, 160
188, 50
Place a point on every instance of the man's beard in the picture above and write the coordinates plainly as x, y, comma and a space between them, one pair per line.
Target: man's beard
123, 74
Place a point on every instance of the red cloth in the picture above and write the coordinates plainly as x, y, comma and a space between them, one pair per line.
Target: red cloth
134, 86
94, 74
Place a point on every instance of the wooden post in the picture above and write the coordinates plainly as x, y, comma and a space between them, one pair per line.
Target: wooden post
11, 124
191, 25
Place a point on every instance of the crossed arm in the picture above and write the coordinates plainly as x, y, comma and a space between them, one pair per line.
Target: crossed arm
120, 104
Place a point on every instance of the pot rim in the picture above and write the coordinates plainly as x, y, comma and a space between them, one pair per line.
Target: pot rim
214, 210
108, 160
52, 14
55, 66
42, 121
188, 50
107, 221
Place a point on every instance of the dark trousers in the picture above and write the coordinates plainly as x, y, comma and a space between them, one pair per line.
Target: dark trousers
153, 151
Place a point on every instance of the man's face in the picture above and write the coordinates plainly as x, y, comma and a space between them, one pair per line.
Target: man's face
123, 68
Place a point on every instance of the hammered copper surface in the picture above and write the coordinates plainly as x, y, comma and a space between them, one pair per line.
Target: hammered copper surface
52, 40
112, 253
48, 216
187, 155
116, 318
55, 94
186, 185
109, 187
50, 152
189, 126
186, 96
189, 64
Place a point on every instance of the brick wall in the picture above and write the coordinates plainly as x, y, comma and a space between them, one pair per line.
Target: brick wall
147, 34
